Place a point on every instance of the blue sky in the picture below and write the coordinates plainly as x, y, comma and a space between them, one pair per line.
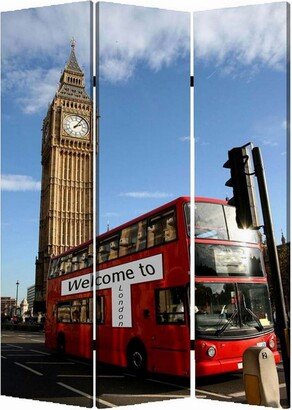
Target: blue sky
144, 126
240, 97
32, 58
144, 108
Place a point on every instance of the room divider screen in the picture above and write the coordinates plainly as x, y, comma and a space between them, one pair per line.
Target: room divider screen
125, 278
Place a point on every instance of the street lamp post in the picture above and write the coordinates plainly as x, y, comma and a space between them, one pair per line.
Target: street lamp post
16, 299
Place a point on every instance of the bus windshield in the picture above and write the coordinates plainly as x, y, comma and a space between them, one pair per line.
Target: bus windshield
232, 309
221, 260
216, 221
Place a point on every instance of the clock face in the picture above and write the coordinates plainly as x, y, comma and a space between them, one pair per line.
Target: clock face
76, 126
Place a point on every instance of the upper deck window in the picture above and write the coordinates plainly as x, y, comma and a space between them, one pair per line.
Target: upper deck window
210, 221
216, 221
133, 238
77, 259
157, 230
161, 229
236, 234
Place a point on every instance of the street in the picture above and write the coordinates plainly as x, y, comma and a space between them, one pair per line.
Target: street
42, 375
229, 387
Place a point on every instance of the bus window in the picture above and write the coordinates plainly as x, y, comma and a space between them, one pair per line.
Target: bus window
113, 248
236, 234
169, 229
75, 311
90, 255
84, 311
63, 312
54, 268
108, 249
161, 229
103, 252
170, 306
210, 221
63, 264
75, 263
141, 235
83, 260
128, 240
68, 265
99, 309
155, 232
221, 260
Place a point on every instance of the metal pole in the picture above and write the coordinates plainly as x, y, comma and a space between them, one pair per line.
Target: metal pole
282, 321
16, 301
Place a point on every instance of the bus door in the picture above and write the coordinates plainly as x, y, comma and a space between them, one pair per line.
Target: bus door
170, 341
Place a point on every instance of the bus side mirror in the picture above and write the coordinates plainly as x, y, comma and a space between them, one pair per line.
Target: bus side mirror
146, 313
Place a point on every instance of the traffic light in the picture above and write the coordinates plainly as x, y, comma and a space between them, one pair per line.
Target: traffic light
241, 182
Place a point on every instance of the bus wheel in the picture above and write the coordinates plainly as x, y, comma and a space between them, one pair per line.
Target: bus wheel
137, 358
61, 344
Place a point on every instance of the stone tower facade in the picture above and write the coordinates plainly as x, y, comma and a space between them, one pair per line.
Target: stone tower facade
66, 207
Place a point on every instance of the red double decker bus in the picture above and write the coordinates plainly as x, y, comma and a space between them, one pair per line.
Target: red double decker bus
232, 302
142, 298
142, 281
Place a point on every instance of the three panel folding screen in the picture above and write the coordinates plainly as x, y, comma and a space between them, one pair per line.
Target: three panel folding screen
126, 275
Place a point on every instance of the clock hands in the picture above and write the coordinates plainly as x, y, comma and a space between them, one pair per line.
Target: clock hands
77, 125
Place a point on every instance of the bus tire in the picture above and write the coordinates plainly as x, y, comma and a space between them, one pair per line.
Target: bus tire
137, 358
61, 345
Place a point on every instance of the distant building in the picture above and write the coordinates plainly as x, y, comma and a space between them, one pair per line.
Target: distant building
284, 261
7, 305
30, 297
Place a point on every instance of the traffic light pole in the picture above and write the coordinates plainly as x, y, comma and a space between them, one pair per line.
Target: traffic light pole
281, 316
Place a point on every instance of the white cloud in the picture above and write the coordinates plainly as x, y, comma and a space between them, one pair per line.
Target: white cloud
270, 143
35, 48
19, 183
201, 142
184, 139
36, 45
26, 86
33, 54
41, 34
131, 35
146, 194
249, 37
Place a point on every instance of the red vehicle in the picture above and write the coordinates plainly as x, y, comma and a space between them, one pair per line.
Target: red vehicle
142, 283
232, 303
69, 318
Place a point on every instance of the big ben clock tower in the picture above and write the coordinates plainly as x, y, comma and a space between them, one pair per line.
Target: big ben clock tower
66, 208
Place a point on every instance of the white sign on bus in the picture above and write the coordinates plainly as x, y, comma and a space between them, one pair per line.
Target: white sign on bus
119, 278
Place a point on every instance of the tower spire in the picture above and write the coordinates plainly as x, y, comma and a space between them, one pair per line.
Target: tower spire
72, 63
73, 42
72, 82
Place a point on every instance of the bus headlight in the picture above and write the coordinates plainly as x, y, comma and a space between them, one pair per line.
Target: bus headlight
211, 351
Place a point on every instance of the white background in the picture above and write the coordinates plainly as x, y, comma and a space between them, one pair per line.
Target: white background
182, 5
